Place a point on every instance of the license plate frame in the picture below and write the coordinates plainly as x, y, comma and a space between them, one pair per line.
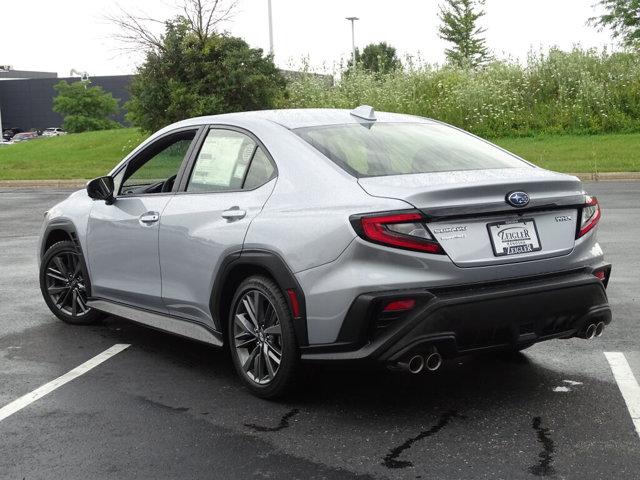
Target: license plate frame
519, 241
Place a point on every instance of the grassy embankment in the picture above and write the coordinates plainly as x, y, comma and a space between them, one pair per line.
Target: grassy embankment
88, 155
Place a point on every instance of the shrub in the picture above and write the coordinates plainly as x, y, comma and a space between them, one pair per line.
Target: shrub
84, 108
581, 91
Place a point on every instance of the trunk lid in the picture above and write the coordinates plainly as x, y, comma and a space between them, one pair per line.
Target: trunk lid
475, 225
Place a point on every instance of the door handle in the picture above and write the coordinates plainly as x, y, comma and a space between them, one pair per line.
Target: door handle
234, 213
149, 218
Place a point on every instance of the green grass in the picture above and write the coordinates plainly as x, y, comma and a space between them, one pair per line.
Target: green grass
89, 155
81, 155
579, 153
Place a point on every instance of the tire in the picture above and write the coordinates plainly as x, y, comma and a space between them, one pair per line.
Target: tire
63, 285
254, 348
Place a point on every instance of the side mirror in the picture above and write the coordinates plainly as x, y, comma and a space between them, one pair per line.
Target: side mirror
101, 188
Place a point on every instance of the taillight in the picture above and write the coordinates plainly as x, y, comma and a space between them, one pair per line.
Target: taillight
400, 230
590, 216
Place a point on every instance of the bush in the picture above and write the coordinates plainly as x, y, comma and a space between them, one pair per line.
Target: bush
84, 108
581, 92
192, 76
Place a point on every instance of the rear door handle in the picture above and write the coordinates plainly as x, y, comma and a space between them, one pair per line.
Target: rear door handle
149, 218
234, 213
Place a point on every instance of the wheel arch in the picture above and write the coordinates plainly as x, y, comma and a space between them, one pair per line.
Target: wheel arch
238, 266
58, 231
61, 230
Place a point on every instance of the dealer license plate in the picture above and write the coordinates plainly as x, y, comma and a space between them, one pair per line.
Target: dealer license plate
514, 237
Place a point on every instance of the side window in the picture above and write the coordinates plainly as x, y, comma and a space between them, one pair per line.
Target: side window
260, 171
156, 168
222, 162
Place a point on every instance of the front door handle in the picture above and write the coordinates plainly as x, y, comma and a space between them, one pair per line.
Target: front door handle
149, 218
234, 213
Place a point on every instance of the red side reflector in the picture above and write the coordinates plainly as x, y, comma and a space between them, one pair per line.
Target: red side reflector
600, 275
295, 305
400, 305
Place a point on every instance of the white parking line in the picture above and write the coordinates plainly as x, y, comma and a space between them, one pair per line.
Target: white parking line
31, 397
627, 384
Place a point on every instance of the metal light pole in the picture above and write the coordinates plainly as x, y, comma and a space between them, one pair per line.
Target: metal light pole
353, 37
270, 30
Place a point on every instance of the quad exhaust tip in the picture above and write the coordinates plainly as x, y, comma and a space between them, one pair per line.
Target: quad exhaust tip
599, 329
590, 331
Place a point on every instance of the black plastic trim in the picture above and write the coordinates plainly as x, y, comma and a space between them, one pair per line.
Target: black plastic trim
355, 343
278, 269
502, 208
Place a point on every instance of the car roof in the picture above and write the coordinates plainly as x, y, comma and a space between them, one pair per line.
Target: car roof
300, 118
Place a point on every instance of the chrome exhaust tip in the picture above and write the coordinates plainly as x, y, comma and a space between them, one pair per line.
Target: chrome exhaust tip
590, 331
599, 329
416, 364
434, 361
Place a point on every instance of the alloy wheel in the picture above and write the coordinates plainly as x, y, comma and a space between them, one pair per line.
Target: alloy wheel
257, 337
65, 284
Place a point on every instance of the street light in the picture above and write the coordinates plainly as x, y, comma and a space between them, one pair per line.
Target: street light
353, 37
270, 30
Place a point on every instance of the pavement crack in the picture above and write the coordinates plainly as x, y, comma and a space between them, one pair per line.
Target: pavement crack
391, 459
546, 456
284, 423
162, 405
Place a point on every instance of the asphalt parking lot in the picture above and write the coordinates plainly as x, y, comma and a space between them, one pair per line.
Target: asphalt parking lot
170, 408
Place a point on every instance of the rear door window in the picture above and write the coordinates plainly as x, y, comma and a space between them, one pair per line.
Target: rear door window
228, 161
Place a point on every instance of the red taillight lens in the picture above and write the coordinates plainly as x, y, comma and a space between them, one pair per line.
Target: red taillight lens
590, 216
401, 230
400, 305
600, 275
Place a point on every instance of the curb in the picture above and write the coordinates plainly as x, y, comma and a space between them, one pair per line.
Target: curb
607, 176
79, 183
44, 184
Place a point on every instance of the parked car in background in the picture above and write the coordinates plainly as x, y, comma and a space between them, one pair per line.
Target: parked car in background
8, 133
24, 136
330, 236
53, 132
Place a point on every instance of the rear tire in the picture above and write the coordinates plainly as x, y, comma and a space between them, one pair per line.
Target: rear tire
63, 284
262, 339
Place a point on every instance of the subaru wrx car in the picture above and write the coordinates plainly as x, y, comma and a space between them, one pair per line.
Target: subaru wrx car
297, 236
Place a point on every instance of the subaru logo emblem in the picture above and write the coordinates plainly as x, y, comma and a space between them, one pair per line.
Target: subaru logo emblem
517, 199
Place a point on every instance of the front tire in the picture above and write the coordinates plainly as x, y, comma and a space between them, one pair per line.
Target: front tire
63, 284
262, 339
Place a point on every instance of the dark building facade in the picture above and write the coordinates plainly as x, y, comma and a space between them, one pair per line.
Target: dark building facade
27, 103
7, 72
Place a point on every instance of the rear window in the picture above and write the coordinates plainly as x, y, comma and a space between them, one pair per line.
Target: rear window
366, 150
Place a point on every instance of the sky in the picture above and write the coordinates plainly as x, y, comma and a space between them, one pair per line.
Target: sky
60, 35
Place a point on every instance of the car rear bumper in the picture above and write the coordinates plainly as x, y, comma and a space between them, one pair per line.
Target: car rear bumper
469, 319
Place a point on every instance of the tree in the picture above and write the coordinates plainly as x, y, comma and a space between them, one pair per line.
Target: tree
202, 17
84, 108
377, 58
623, 18
459, 26
190, 76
